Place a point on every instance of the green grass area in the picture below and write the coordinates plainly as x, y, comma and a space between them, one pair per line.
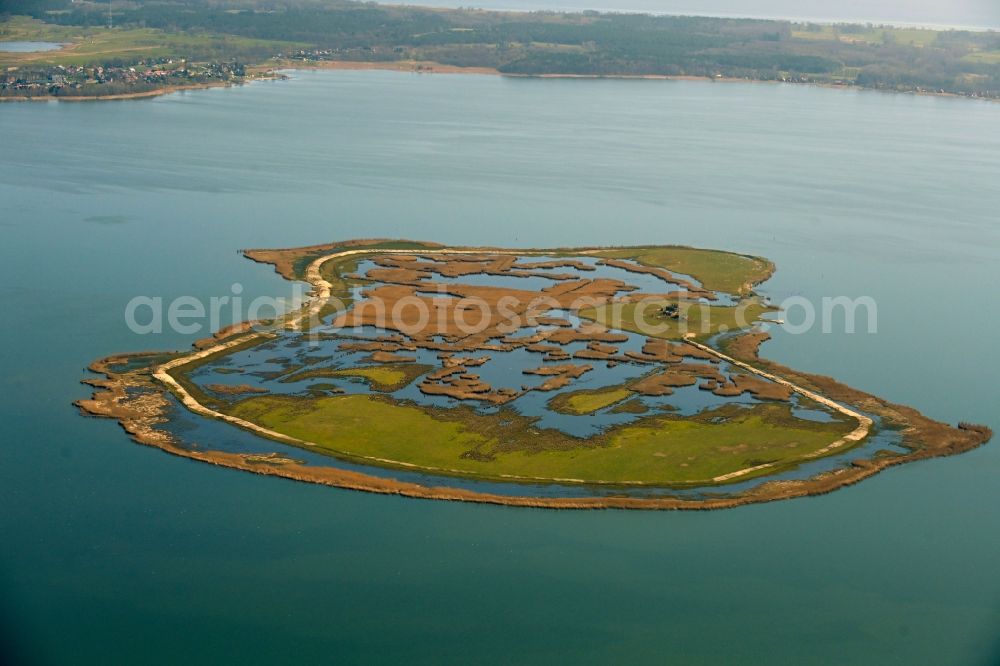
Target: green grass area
88, 45
837, 33
687, 449
633, 406
659, 449
716, 270
914, 36
702, 320
857, 34
984, 57
359, 425
385, 378
588, 401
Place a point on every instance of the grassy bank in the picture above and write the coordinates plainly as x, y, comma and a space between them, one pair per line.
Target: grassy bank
718, 271
658, 450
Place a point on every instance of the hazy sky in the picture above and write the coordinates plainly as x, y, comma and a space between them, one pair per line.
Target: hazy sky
971, 13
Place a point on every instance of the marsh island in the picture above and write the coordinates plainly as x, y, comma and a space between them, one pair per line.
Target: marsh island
563, 378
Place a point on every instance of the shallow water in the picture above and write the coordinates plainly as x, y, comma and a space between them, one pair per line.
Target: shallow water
117, 553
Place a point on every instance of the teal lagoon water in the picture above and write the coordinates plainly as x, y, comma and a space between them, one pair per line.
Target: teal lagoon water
117, 553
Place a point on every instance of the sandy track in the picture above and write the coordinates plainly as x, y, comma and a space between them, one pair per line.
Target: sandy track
321, 293
864, 423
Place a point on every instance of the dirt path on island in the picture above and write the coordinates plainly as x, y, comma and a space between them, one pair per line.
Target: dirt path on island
864, 423
322, 290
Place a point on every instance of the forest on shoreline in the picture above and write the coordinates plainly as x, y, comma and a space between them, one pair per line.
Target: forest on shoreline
258, 32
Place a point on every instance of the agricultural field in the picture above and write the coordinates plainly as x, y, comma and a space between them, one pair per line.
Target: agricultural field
101, 45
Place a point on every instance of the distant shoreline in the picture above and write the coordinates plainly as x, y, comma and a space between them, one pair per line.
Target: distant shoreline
414, 66
891, 23
273, 72
166, 90
429, 67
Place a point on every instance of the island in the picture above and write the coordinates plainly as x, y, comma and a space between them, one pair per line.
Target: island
626, 377
144, 48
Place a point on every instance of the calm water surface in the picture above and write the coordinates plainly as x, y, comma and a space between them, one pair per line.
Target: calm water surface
117, 553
